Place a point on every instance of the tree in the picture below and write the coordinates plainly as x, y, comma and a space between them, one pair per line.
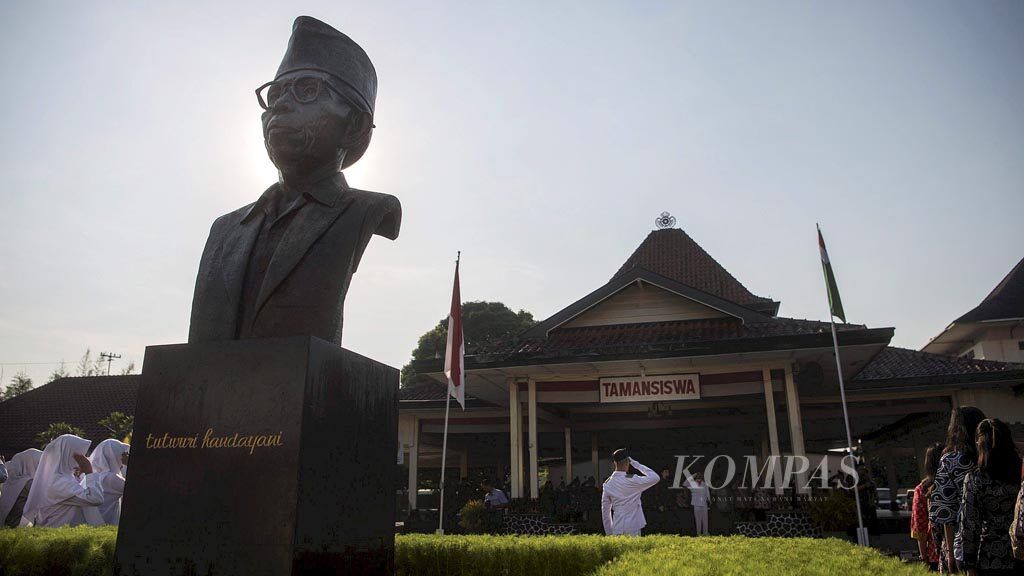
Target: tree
481, 322
56, 429
119, 425
59, 373
129, 369
89, 367
20, 384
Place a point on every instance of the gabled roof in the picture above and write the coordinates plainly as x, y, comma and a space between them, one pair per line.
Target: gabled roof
81, 402
893, 364
672, 261
671, 253
670, 339
1006, 301
638, 274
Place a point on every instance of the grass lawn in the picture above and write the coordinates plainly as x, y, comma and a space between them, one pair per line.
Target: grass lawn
86, 551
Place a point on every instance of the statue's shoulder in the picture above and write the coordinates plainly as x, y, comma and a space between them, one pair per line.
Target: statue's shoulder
383, 211
375, 200
226, 223
233, 217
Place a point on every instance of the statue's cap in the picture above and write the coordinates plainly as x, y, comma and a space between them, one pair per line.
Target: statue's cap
315, 45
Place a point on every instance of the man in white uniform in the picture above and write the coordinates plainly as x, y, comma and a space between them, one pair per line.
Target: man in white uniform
700, 497
620, 496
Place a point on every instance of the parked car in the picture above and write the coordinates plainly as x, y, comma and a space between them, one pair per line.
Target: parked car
884, 498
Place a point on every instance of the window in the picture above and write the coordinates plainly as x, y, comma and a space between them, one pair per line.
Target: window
1020, 345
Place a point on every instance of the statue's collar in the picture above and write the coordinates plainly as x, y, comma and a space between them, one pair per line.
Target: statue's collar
325, 191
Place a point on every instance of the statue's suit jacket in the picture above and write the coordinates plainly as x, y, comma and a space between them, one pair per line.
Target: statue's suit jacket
303, 291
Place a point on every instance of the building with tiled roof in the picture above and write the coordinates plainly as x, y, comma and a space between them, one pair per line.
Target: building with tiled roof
992, 330
674, 355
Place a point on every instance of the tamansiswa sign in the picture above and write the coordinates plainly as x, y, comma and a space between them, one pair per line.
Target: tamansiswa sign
651, 388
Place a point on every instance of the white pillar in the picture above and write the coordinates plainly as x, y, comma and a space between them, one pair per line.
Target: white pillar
796, 426
532, 416
516, 436
413, 469
773, 427
568, 455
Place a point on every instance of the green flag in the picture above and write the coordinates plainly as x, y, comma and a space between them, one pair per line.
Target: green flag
835, 305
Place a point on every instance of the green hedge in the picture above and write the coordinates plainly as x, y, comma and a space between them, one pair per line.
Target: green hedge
86, 551
736, 555
427, 555
80, 551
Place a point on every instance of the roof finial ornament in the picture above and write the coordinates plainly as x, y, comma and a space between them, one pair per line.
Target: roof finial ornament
666, 220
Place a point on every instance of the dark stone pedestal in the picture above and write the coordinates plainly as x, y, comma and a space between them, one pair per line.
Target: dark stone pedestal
258, 457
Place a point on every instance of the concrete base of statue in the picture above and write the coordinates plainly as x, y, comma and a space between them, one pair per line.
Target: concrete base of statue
273, 456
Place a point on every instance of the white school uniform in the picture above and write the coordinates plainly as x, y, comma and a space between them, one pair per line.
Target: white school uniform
56, 498
700, 497
21, 469
107, 465
620, 500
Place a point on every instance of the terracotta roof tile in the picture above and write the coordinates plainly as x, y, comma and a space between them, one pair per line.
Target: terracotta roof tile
621, 338
896, 363
673, 254
431, 391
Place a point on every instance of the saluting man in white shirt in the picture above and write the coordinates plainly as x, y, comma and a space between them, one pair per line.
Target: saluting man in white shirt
620, 496
700, 499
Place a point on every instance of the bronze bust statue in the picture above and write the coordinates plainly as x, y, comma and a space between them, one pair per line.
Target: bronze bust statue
282, 265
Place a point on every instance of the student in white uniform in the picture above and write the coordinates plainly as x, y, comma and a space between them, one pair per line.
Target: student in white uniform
700, 498
108, 462
56, 498
12, 501
620, 496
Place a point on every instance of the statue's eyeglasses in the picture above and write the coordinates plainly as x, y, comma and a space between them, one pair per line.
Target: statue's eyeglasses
304, 89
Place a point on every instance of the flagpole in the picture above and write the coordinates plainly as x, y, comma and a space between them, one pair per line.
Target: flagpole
444, 455
444, 442
862, 534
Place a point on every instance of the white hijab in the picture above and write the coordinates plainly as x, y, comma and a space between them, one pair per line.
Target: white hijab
107, 457
55, 478
106, 460
20, 470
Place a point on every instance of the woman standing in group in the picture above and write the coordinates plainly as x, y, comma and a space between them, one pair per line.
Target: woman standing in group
920, 527
990, 493
958, 458
22, 468
56, 497
1017, 528
108, 463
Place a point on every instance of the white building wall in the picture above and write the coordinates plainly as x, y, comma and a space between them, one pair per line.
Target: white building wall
995, 403
1004, 350
1002, 343
406, 435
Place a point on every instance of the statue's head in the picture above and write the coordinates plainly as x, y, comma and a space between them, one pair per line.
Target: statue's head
318, 110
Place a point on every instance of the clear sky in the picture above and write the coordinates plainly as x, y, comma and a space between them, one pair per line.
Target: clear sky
541, 139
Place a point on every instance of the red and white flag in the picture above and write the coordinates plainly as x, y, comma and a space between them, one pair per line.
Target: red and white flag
453, 357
